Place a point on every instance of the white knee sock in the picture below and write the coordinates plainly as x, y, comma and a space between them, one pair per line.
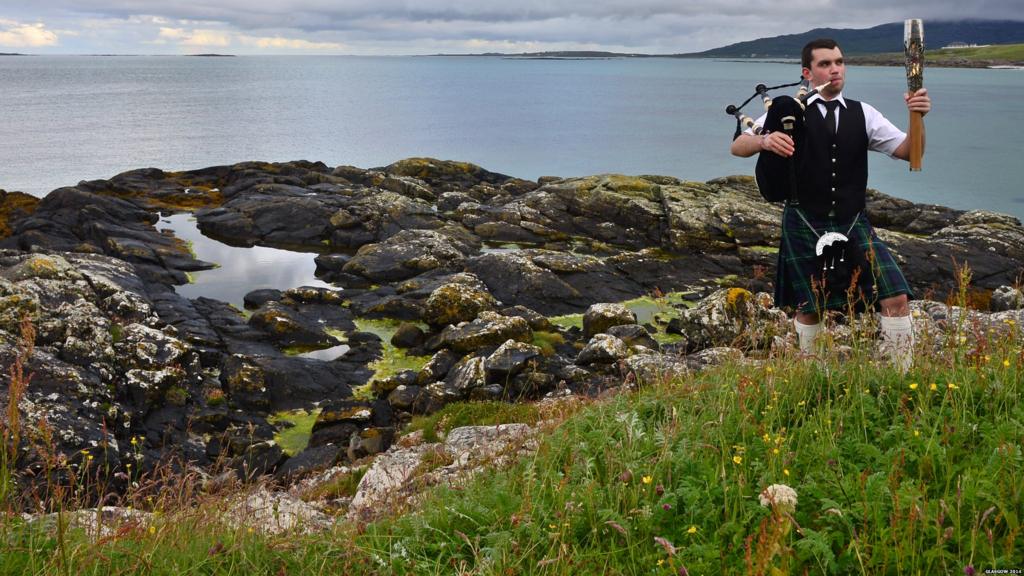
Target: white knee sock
898, 338
807, 334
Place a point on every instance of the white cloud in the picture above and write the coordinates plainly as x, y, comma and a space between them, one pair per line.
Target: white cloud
26, 35
279, 42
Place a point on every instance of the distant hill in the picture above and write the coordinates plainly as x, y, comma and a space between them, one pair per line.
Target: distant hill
879, 39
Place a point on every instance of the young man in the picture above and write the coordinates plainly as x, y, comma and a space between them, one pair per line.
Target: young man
831, 183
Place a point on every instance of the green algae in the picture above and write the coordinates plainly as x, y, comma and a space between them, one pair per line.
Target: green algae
294, 429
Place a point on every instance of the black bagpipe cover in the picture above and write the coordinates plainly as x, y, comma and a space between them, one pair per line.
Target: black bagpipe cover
773, 172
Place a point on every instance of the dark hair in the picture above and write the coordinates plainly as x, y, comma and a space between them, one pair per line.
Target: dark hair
808, 51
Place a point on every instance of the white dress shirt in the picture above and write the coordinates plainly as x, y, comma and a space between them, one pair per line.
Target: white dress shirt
883, 136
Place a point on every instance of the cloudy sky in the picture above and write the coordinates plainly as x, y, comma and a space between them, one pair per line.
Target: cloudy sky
433, 26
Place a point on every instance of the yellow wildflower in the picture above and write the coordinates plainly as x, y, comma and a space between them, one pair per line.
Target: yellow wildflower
952, 386
691, 530
933, 387
152, 529
737, 459
785, 471
1006, 363
913, 385
647, 479
775, 450
917, 432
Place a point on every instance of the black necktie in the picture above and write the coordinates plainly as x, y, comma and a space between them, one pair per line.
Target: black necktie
830, 116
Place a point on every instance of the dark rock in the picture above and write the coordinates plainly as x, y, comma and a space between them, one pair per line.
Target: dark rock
307, 462
326, 263
437, 367
258, 298
408, 335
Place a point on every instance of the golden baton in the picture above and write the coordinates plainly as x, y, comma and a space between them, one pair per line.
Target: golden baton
913, 42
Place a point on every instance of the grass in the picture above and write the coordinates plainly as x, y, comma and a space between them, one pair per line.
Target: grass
1010, 52
894, 474
980, 55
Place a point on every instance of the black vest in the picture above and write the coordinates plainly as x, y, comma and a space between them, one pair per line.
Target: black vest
832, 176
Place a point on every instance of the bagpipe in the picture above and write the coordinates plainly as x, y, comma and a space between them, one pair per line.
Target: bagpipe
775, 175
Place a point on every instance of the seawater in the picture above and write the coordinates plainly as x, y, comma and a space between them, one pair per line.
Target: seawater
69, 118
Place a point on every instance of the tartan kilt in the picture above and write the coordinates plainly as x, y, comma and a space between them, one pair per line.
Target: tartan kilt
799, 271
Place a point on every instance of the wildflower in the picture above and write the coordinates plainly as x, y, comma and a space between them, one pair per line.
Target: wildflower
666, 506
135, 441
626, 477
250, 530
768, 369
917, 433
647, 479
737, 459
952, 386
913, 385
152, 529
661, 561
691, 530
1006, 363
659, 490
969, 570
683, 571
778, 495
933, 387
785, 471
552, 526
775, 450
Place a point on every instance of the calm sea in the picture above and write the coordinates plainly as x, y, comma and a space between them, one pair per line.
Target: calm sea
65, 119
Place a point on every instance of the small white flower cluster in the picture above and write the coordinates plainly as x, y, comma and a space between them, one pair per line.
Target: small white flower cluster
779, 494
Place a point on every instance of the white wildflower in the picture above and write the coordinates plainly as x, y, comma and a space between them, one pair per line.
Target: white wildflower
780, 495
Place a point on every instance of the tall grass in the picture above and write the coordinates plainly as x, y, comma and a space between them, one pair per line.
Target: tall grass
893, 474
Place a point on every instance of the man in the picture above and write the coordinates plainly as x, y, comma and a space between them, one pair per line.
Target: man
831, 184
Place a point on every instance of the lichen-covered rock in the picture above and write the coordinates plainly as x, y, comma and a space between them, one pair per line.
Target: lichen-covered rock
655, 369
602, 349
402, 474
600, 317
290, 327
1007, 298
730, 317
489, 329
406, 254
466, 375
460, 300
508, 360
634, 335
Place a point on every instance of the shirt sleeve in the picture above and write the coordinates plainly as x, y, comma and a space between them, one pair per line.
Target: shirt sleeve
883, 136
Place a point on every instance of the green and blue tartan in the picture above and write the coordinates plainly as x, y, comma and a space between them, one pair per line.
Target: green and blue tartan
799, 271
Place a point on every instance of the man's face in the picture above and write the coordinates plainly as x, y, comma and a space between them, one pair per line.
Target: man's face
827, 65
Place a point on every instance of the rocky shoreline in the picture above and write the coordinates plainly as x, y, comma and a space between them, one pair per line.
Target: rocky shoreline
472, 266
